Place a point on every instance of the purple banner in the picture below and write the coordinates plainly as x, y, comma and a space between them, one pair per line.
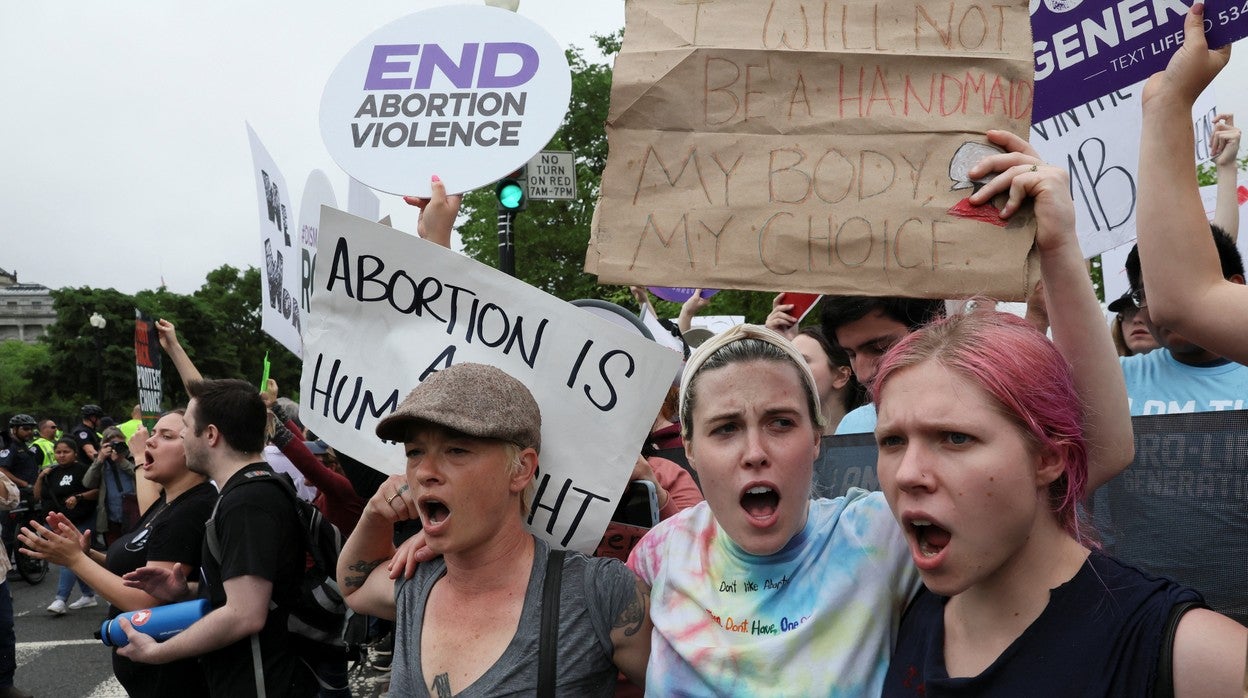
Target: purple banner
1086, 49
679, 295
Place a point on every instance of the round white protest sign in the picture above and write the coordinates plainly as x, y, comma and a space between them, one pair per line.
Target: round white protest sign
467, 92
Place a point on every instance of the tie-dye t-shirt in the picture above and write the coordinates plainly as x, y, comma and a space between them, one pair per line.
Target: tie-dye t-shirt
818, 618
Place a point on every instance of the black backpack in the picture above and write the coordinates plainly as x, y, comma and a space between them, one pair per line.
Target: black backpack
317, 617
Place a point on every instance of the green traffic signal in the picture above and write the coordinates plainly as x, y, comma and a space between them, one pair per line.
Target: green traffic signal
510, 195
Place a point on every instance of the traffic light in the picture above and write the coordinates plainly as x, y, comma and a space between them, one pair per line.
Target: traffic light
512, 193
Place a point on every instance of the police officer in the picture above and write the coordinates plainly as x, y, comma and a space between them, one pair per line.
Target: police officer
46, 441
21, 458
85, 433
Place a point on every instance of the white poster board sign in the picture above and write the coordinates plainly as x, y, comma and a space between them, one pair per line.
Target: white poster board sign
361, 201
317, 192
466, 92
280, 316
1099, 145
390, 309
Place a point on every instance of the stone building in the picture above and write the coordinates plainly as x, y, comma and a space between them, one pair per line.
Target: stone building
25, 309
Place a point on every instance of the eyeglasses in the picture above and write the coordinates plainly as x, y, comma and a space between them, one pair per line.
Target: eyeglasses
1138, 299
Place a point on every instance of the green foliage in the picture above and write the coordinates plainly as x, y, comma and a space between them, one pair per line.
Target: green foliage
1096, 269
1207, 173
219, 325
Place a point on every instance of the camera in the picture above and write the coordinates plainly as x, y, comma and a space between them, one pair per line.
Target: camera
120, 448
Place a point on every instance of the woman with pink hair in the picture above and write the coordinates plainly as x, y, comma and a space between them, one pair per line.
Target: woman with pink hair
983, 460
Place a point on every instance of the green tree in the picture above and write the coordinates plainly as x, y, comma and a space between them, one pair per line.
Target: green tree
18, 393
76, 363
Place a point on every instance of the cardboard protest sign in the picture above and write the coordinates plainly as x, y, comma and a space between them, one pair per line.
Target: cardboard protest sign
1085, 49
389, 309
317, 192
147, 366
779, 146
1099, 144
466, 92
280, 316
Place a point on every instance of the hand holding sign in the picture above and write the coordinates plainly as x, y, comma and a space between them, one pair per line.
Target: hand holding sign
1192, 67
437, 213
1024, 175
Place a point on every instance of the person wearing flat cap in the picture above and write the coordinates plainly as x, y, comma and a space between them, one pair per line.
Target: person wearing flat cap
468, 623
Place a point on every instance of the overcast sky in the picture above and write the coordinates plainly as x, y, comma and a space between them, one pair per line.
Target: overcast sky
124, 154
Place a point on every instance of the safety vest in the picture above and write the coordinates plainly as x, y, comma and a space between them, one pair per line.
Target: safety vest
46, 447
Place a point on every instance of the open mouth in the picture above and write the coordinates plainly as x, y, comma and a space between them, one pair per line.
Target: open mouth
931, 538
148, 459
760, 502
434, 511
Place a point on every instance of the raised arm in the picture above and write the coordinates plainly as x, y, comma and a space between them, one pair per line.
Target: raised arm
1224, 144
1182, 275
173, 349
690, 309
1075, 316
362, 573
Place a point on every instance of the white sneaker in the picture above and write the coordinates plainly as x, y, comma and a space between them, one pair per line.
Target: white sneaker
58, 607
83, 602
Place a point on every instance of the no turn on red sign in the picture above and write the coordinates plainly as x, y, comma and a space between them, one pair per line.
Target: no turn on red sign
552, 176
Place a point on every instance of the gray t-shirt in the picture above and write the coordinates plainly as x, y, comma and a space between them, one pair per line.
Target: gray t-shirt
593, 593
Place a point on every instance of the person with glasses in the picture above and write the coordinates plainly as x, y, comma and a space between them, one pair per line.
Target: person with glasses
1182, 376
1130, 334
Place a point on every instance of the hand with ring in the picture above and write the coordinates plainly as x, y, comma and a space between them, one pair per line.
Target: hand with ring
397, 493
389, 502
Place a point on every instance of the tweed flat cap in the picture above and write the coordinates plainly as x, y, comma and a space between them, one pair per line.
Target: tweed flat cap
475, 399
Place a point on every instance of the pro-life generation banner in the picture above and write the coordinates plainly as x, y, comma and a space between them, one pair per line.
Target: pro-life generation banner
389, 309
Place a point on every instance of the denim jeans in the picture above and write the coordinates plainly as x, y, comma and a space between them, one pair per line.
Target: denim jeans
66, 582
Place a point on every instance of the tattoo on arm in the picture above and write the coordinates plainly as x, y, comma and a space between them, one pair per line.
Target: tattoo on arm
442, 686
634, 614
355, 581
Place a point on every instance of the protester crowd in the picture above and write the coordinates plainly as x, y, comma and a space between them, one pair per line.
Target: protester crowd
975, 570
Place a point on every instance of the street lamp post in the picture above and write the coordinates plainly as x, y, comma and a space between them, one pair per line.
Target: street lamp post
99, 323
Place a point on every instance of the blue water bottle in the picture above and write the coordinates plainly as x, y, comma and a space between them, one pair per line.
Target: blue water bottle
161, 622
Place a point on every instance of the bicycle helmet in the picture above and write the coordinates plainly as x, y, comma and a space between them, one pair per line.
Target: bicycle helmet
22, 420
92, 411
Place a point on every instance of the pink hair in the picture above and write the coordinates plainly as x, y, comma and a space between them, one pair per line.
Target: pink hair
1029, 379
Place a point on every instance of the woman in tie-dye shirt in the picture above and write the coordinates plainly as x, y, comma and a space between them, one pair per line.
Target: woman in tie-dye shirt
762, 590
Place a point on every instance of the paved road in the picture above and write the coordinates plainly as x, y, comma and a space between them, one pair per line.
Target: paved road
57, 655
